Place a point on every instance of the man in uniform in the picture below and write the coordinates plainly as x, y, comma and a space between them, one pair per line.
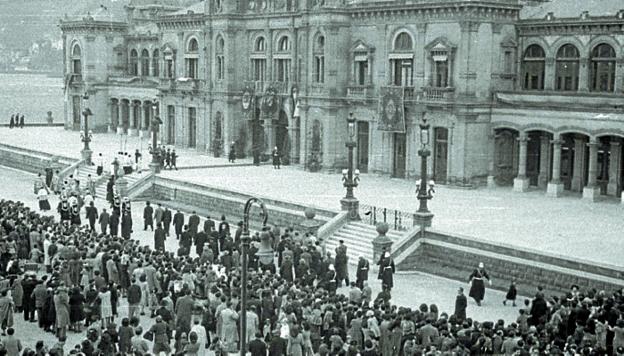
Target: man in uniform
178, 223
166, 219
386, 271
148, 213
362, 272
341, 263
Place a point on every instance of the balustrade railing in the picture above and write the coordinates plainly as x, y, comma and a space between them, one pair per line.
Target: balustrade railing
396, 219
438, 94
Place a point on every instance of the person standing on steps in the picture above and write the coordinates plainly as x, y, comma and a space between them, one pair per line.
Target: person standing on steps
99, 163
477, 287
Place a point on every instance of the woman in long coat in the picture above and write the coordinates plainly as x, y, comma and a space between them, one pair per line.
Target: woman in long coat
76, 308
227, 329
17, 292
6, 310
61, 306
49, 311
295, 342
477, 287
126, 225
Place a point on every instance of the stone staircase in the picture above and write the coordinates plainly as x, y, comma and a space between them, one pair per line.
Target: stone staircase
358, 237
101, 181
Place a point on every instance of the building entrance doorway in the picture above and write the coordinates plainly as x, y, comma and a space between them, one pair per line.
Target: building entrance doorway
400, 149
440, 160
362, 146
192, 128
76, 112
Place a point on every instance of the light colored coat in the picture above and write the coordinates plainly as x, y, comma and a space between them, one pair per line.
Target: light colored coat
61, 305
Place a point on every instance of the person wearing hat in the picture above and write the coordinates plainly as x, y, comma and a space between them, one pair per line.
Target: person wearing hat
477, 287
340, 264
361, 274
386, 271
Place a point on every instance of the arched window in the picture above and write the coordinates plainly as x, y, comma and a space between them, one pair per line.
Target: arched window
567, 68
220, 60
134, 62
603, 68
258, 60
76, 60
145, 61
283, 45
260, 45
156, 63
282, 60
319, 59
403, 42
533, 64
402, 60
192, 59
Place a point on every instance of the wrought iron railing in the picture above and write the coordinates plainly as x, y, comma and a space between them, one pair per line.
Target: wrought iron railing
396, 219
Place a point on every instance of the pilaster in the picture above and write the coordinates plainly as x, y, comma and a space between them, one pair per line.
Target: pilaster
615, 167
592, 191
555, 186
583, 85
544, 171
521, 182
579, 164
549, 74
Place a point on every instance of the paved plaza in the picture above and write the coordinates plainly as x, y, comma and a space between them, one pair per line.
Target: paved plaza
564, 226
411, 289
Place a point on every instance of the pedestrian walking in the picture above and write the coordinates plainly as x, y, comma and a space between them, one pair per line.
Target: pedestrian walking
460, 305
232, 153
21, 122
178, 223
166, 220
168, 159
477, 287
99, 163
512, 293
174, 159
92, 215
104, 220
277, 159
159, 238
148, 217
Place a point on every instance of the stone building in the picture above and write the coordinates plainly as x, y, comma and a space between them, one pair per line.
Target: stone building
518, 93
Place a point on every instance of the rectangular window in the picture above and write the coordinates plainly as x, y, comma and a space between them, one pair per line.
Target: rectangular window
319, 69
191, 68
507, 63
170, 124
361, 72
258, 69
169, 68
441, 74
220, 67
402, 72
282, 73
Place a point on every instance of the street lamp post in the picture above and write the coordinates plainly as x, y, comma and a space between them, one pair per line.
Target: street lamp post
156, 122
245, 239
350, 178
86, 135
424, 190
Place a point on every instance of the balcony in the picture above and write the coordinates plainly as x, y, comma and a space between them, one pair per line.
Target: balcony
436, 94
167, 84
360, 91
562, 99
188, 84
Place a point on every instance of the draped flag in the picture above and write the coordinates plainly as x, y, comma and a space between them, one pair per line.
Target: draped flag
248, 101
391, 114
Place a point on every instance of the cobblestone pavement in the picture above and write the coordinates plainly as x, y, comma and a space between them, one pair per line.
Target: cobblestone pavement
412, 289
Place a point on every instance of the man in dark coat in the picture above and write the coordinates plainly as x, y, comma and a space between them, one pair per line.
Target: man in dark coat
539, 310
193, 223
278, 346
461, 302
159, 238
362, 272
114, 223
200, 239
184, 312
186, 239
386, 271
92, 215
104, 220
21, 122
174, 159
209, 225
148, 214
257, 347
166, 219
28, 300
126, 225
224, 229
12, 122
178, 223
341, 263
477, 286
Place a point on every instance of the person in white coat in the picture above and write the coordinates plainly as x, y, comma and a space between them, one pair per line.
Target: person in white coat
202, 338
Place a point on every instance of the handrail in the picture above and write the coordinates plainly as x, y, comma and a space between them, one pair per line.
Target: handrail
396, 219
69, 169
333, 225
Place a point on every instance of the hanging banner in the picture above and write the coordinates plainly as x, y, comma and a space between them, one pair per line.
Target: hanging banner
248, 101
391, 114
270, 101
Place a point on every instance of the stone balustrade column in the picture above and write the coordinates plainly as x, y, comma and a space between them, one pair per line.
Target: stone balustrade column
591, 190
521, 182
555, 186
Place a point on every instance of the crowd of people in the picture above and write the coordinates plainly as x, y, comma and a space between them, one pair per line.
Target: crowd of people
129, 298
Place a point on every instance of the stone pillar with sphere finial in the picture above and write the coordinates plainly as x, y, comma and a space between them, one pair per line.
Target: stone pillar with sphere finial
309, 225
382, 242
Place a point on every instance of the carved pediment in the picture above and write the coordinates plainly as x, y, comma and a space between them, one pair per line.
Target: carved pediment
509, 42
360, 46
440, 44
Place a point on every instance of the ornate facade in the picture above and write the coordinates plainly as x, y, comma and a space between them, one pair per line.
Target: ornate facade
516, 94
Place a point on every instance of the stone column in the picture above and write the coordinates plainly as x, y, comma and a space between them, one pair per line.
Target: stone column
549, 74
521, 182
119, 116
491, 179
542, 179
132, 130
591, 190
579, 163
555, 186
615, 167
583, 85
109, 105
269, 129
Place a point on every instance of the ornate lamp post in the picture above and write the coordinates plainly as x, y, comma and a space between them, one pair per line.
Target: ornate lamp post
156, 122
424, 190
245, 261
350, 178
86, 135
